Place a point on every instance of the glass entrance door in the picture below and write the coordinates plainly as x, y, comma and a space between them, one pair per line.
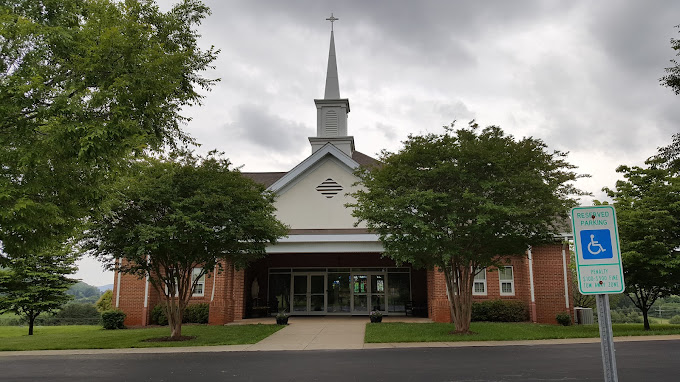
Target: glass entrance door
309, 293
368, 292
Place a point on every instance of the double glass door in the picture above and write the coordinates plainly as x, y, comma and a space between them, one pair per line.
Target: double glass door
309, 293
368, 292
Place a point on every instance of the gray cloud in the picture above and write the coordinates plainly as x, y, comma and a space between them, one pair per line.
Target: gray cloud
256, 126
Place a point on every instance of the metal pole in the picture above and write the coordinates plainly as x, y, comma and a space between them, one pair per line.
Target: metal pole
606, 338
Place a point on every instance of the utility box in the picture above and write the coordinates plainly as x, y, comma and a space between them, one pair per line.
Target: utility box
583, 316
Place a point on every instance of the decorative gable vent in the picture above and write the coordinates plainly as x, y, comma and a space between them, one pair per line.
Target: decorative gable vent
329, 188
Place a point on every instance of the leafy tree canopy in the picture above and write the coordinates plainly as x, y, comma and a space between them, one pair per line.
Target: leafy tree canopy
672, 79
647, 205
37, 284
461, 200
84, 84
181, 213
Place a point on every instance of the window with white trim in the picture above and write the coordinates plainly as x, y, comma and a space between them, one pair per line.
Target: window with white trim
479, 285
507, 279
200, 284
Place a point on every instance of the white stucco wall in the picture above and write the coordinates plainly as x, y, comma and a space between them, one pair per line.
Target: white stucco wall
301, 206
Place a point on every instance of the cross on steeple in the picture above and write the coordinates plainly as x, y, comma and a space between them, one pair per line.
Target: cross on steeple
332, 20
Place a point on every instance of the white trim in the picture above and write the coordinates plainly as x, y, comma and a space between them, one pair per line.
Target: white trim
482, 281
341, 238
327, 149
512, 281
531, 275
120, 263
193, 273
214, 276
146, 291
564, 270
326, 247
352, 243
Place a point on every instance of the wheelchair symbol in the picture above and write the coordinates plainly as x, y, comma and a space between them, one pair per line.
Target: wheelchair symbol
594, 244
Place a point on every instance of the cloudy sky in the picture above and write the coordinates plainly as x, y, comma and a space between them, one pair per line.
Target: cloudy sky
580, 75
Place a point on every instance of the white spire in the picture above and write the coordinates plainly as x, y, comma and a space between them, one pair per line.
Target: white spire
331, 111
332, 87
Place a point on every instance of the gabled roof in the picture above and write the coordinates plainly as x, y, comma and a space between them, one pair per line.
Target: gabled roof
264, 178
269, 178
365, 160
327, 150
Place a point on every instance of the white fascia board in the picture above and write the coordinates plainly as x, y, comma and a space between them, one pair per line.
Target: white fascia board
349, 243
353, 237
327, 149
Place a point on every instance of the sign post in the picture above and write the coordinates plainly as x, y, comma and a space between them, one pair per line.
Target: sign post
599, 270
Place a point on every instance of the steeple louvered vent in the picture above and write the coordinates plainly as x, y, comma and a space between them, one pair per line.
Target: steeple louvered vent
329, 188
331, 123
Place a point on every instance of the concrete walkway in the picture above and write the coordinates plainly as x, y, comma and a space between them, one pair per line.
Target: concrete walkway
325, 333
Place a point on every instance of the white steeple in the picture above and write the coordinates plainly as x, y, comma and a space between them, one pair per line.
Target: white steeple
331, 115
332, 86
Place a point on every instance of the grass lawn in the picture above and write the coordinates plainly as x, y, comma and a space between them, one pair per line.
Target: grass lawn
94, 337
496, 331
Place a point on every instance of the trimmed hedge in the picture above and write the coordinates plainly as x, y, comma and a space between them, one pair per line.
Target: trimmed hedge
197, 313
674, 320
113, 319
500, 311
194, 314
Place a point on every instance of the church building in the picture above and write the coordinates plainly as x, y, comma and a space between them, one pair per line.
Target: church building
328, 266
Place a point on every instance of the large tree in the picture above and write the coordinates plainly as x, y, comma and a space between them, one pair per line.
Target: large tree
37, 284
464, 200
647, 205
179, 214
672, 79
85, 84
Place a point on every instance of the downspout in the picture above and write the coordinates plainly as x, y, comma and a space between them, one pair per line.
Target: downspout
531, 286
145, 312
564, 268
214, 276
120, 263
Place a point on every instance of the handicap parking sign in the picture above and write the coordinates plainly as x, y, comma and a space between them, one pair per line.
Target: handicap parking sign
596, 244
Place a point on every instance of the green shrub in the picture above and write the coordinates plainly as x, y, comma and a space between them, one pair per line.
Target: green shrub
105, 301
563, 319
158, 316
113, 319
633, 317
73, 313
675, 320
500, 311
197, 313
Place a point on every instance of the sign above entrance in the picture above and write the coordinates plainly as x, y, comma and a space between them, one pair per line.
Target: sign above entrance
598, 255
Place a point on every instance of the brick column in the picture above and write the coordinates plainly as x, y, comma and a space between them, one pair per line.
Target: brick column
227, 305
437, 302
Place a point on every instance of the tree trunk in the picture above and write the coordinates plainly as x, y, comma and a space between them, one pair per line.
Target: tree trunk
458, 284
174, 313
645, 317
31, 321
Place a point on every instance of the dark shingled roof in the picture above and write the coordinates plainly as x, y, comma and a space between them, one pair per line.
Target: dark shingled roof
365, 160
264, 178
268, 178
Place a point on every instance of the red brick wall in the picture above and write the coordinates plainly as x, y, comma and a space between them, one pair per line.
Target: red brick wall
228, 302
131, 299
548, 286
549, 283
437, 302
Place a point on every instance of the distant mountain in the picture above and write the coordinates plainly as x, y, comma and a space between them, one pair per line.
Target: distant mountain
104, 288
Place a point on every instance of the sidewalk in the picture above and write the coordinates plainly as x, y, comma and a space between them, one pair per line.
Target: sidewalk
325, 333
